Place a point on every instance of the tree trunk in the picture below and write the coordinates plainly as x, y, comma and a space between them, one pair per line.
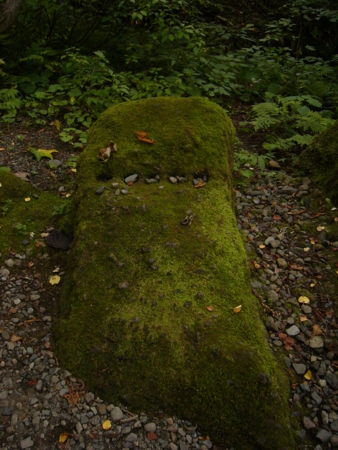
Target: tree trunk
9, 12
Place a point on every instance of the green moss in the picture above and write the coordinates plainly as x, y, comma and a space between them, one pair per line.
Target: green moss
320, 161
155, 341
20, 218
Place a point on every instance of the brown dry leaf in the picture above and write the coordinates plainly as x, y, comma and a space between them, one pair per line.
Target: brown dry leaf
336, 219
142, 136
312, 242
303, 318
104, 153
257, 266
303, 299
106, 425
16, 338
33, 382
277, 218
63, 437
316, 331
210, 308
319, 228
238, 309
308, 375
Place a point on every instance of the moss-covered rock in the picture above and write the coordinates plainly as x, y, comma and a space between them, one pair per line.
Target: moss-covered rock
134, 319
320, 160
23, 220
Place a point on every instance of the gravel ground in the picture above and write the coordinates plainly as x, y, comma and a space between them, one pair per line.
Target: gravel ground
42, 406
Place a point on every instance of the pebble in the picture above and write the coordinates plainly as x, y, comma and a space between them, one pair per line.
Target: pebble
300, 369
116, 414
131, 178
293, 331
100, 190
317, 342
173, 180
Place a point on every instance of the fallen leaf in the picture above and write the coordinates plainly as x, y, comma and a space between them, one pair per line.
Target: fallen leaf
151, 436
27, 199
238, 309
56, 270
303, 299
41, 153
306, 249
104, 153
106, 425
73, 170
336, 219
262, 246
142, 136
257, 266
55, 279
210, 308
16, 338
332, 209
43, 235
312, 242
200, 184
68, 195
312, 284
319, 228
303, 318
57, 124
63, 437
316, 331
308, 375
277, 218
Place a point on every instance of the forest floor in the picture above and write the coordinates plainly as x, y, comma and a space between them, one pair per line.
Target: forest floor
294, 266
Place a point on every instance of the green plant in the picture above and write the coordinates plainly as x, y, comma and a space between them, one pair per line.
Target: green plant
7, 204
244, 162
21, 229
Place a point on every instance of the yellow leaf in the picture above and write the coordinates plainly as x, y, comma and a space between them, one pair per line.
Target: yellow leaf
303, 318
262, 246
41, 153
106, 425
336, 219
72, 99
306, 249
238, 309
303, 299
73, 170
0, 185
55, 279
68, 195
308, 375
27, 199
313, 242
312, 284
319, 228
63, 437
57, 124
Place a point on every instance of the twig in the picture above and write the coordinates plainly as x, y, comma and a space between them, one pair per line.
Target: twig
265, 307
130, 419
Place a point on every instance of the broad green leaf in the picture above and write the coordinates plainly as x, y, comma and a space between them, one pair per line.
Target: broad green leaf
314, 102
261, 162
303, 110
41, 153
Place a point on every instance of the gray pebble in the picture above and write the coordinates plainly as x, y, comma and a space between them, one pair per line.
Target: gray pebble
300, 369
131, 178
116, 414
100, 190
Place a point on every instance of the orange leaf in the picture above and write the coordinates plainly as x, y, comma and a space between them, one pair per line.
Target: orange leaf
63, 437
210, 308
200, 184
238, 309
277, 217
142, 136
16, 338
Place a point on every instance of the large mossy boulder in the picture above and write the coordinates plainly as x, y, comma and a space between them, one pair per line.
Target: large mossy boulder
147, 309
320, 161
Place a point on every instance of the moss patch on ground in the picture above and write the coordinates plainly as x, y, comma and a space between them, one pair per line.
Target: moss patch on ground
320, 161
20, 218
134, 319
